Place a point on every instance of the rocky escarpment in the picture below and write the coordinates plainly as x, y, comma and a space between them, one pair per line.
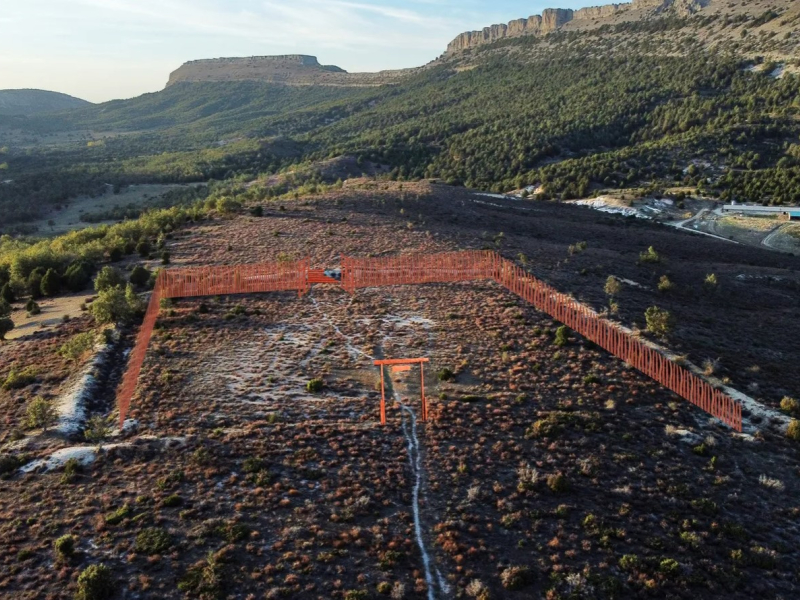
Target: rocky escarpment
292, 69
553, 19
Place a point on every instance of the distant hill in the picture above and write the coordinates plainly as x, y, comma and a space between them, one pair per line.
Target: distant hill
31, 102
291, 69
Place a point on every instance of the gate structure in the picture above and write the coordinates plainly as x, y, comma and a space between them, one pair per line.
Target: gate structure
470, 265
399, 365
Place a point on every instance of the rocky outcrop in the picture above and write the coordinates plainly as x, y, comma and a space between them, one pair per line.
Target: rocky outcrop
553, 19
291, 69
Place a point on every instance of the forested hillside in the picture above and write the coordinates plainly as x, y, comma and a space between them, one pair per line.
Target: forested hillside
569, 113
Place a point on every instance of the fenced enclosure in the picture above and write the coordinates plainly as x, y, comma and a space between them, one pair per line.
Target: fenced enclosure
449, 267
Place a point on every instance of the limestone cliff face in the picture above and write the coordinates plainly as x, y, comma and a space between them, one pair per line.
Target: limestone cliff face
553, 19
291, 69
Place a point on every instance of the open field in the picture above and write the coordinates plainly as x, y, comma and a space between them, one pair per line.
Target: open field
68, 218
544, 469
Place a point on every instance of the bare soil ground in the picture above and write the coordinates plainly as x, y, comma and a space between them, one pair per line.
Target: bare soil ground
548, 471
54, 310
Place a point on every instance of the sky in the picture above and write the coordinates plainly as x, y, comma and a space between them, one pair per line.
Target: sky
100, 50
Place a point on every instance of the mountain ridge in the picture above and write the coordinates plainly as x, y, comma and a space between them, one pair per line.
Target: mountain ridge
554, 19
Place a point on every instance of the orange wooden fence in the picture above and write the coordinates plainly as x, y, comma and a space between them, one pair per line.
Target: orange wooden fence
470, 265
473, 265
205, 281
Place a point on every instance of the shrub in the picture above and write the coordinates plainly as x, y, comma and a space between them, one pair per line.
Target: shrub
78, 347
477, 589
562, 336
19, 379
108, 278
445, 374
613, 287
557, 483
40, 413
32, 307
71, 469
6, 325
95, 583
173, 500
10, 463
790, 406
665, 285
629, 562
7, 294
64, 547
258, 211
115, 254
140, 275
650, 256
315, 385
577, 248
793, 430
659, 321
165, 257
203, 579
117, 516
669, 566
97, 430
227, 205
143, 248
152, 540
711, 281
515, 578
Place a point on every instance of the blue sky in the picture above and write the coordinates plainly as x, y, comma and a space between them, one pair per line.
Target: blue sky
105, 49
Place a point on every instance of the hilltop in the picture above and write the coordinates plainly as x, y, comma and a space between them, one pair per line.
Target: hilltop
30, 102
292, 70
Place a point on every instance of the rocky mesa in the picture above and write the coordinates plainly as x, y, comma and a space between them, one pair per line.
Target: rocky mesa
553, 19
291, 69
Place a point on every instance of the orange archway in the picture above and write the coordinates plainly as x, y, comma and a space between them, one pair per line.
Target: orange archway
399, 365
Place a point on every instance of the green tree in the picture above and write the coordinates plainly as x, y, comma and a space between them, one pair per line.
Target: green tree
140, 275
108, 278
7, 294
6, 325
51, 283
78, 275
143, 248
40, 413
111, 306
34, 283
